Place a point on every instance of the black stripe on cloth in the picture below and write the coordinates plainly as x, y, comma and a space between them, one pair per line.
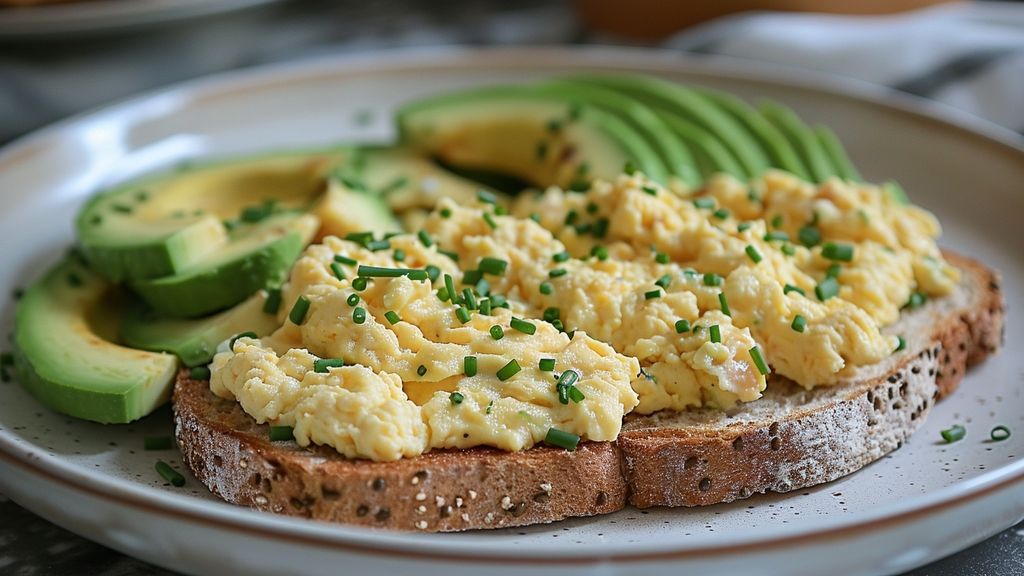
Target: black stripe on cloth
952, 70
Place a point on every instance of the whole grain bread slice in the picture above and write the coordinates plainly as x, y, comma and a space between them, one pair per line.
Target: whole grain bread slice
791, 438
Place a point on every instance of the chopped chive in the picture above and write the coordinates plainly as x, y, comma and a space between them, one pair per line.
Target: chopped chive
546, 288
122, 208
901, 343
561, 439
486, 197
953, 433
712, 279
497, 332
199, 373
788, 249
790, 288
381, 271
833, 270
720, 214
557, 272
554, 126
273, 302
418, 275
579, 185
799, 323
704, 203
345, 260
777, 221
169, 474
299, 310
650, 190
599, 252
322, 365
449, 284
492, 266
352, 299
523, 326
446, 212
360, 283
469, 366
916, 300
472, 276
453, 255
490, 220
743, 226
762, 366
463, 314
827, 288
561, 256
6, 359
661, 258
753, 254
664, 281
338, 271
281, 433
360, 237
499, 301
442, 294
652, 294
551, 314
74, 279
809, 236
546, 364
157, 443
629, 167
535, 217
236, 337
398, 255
421, 370
469, 298
576, 395
490, 406
456, 398
392, 317
561, 327
568, 379
485, 306
837, 251
724, 304
542, 150
753, 196
682, 326
378, 245
776, 235
508, 370
999, 433
570, 217
359, 315
592, 208
432, 272
715, 334
425, 238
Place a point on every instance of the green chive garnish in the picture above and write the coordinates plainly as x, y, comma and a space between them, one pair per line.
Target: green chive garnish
299, 310
497, 332
486, 197
469, 298
446, 212
664, 281
273, 302
199, 373
352, 299
788, 249
724, 304
421, 371
715, 334
169, 474
570, 217
743, 226
157, 443
551, 314
453, 255
650, 190
508, 370
456, 398
753, 254
712, 279
901, 343
661, 258
704, 203
378, 245
557, 272
565, 382
469, 366
546, 364
449, 285
398, 255
336, 268
799, 323
720, 214
546, 288
493, 266
652, 294
442, 294
425, 238
231, 343
682, 326
762, 366
561, 256
463, 314
321, 365
599, 252
790, 288
777, 221
392, 317
999, 433
629, 167
433, 272
833, 270
576, 395
837, 251
281, 433
809, 236
360, 283
523, 326
828, 288
485, 306
345, 260
953, 433
359, 315
381, 272
917, 299
560, 439
776, 235
490, 220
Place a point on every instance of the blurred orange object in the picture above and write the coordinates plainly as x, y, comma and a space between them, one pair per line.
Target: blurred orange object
655, 19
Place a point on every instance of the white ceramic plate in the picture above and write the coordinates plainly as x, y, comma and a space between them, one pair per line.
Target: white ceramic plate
94, 16
924, 501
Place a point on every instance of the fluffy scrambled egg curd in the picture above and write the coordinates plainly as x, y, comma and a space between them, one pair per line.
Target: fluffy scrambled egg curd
550, 324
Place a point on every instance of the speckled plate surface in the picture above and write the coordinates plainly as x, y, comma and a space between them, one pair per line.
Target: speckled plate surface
921, 502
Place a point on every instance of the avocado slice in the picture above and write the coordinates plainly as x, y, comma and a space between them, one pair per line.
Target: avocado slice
195, 341
709, 152
524, 132
833, 148
674, 154
688, 105
257, 256
802, 138
66, 353
164, 224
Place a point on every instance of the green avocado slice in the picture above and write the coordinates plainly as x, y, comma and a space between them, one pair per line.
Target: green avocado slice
802, 138
711, 155
195, 341
66, 356
524, 132
160, 225
258, 255
836, 153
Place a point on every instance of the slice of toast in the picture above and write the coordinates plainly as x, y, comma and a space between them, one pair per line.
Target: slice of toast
789, 439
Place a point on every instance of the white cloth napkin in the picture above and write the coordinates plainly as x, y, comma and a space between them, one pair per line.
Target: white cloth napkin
970, 56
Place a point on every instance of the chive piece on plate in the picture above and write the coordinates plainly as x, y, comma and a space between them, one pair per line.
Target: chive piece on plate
158, 442
169, 474
953, 433
281, 433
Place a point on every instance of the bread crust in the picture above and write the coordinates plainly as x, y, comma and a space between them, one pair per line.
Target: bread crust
792, 438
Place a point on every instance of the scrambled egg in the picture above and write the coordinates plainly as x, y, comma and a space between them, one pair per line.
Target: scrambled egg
492, 329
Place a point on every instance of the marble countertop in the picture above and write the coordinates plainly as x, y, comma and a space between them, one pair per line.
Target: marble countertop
41, 82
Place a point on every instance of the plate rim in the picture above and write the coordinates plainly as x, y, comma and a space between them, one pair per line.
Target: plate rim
23, 453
